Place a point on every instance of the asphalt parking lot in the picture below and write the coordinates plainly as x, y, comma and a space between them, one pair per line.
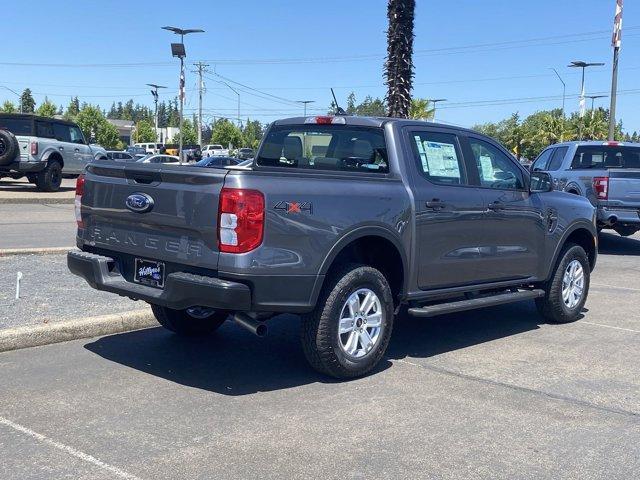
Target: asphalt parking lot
486, 394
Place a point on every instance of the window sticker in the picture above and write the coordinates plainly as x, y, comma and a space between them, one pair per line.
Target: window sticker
423, 154
442, 159
486, 167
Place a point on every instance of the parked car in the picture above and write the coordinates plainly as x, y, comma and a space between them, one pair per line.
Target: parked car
219, 162
136, 150
246, 154
396, 214
170, 149
192, 153
43, 149
120, 156
606, 173
149, 147
158, 158
214, 151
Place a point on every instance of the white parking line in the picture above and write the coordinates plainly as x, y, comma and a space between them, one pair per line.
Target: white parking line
70, 450
609, 326
615, 286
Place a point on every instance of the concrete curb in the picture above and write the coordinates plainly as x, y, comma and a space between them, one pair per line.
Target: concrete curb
6, 252
36, 200
45, 334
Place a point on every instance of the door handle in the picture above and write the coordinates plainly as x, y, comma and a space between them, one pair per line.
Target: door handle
435, 204
495, 206
77, 149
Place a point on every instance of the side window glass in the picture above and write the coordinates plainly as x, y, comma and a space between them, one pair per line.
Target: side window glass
541, 163
76, 135
439, 158
495, 168
61, 132
557, 158
44, 129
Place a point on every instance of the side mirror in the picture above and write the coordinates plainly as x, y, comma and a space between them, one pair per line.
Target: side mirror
540, 182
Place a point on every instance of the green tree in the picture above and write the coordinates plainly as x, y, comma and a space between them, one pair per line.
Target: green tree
72, 109
8, 107
399, 62
47, 108
225, 133
189, 134
420, 109
94, 125
27, 102
252, 134
144, 132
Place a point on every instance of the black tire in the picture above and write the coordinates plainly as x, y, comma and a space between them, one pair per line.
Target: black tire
9, 147
552, 306
184, 323
625, 230
50, 179
321, 341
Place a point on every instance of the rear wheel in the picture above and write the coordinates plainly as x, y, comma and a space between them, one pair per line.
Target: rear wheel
566, 292
194, 321
349, 330
50, 179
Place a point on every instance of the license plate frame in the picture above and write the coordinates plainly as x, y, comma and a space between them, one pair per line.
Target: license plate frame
149, 272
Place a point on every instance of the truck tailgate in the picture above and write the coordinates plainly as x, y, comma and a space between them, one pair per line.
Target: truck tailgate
180, 225
624, 187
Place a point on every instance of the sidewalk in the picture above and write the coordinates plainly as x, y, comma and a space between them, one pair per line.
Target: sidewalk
21, 191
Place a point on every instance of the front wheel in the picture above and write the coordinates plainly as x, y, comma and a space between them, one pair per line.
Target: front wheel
348, 332
566, 292
194, 321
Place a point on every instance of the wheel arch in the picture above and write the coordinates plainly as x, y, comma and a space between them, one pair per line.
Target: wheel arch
360, 245
51, 156
583, 234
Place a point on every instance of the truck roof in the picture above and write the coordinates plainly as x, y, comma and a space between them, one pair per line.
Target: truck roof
584, 143
370, 121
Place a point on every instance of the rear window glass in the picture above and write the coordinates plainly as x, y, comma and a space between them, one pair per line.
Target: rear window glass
325, 147
602, 157
17, 126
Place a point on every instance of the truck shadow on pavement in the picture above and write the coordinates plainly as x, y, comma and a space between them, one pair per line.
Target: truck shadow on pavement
233, 362
612, 244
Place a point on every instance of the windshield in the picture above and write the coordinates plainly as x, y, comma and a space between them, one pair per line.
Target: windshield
17, 126
325, 147
606, 156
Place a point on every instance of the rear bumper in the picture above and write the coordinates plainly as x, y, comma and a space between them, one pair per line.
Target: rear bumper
609, 216
182, 290
23, 167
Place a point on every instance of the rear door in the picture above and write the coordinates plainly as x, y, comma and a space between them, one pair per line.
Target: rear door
66, 147
449, 211
513, 237
81, 150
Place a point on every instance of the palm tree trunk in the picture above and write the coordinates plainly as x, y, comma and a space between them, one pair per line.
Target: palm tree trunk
399, 62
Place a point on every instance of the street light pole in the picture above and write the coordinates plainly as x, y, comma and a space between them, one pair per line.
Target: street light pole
178, 50
593, 98
305, 103
564, 89
435, 101
583, 66
615, 43
154, 92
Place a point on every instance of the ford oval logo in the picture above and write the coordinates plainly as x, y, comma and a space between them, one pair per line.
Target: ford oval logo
139, 202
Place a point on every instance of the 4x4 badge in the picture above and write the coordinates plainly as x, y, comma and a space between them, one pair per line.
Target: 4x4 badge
294, 207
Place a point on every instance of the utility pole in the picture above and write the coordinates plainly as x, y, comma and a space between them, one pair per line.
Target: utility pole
305, 103
202, 68
616, 41
154, 92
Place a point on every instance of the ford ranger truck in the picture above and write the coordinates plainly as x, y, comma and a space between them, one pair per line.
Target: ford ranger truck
343, 220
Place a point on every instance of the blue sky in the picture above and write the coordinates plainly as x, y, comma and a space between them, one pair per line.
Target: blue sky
469, 52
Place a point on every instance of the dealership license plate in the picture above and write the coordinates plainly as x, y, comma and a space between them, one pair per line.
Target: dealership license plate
149, 272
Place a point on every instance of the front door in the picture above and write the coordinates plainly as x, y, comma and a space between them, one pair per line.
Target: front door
516, 221
449, 210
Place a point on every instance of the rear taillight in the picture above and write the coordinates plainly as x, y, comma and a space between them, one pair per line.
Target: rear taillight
78, 202
240, 220
34, 148
601, 187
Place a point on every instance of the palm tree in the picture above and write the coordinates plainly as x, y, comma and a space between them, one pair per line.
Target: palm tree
420, 109
399, 62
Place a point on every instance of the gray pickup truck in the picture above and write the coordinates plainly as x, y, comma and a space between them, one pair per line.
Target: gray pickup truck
391, 215
607, 173
43, 149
